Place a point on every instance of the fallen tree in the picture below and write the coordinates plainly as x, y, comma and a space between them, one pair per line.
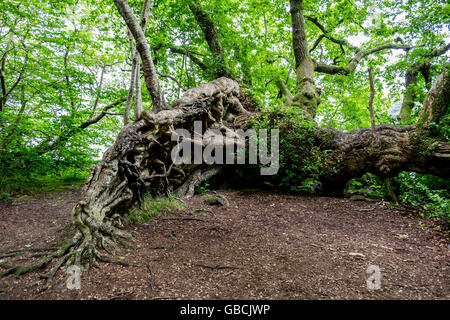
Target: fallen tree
141, 159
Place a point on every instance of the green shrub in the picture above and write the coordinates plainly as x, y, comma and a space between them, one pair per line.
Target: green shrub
370, 185
425, 191
31, 184
301, 159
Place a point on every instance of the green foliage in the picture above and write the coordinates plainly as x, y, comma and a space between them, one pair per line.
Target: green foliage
32, 184
153, 207
5, 196
203, 188
301, 159
443, 129
59, 69
425, 191
369, 185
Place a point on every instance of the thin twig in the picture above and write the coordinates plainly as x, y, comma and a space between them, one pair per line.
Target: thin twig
218, 267
173, 79
182, 218
156, 247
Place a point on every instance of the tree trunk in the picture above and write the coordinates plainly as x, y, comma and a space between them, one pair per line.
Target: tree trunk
134, 70
219, 67
140, 160
307, 96
411, 81
138, 97
150, 74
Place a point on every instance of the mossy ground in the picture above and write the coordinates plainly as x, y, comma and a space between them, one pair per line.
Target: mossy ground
153, 207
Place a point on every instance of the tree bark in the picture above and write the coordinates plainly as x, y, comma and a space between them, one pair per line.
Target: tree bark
307, 96
138, 107
423, 67
353, 63
372, 96
150, 74
220, 68
131, 88
145, 15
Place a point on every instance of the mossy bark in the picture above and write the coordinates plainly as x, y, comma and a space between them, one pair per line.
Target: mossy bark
307, 94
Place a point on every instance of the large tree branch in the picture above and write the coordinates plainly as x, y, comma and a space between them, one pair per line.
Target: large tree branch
173, 79
326, 34
145, 14
437, 101
299, 43
100, 116
67, 77
351, 66
189, 54
45, 146
307, 95
372, 96
411, 74
99, 90
133, 79
208, 29
396, 149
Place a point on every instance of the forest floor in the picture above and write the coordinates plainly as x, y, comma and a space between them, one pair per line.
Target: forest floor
262, 246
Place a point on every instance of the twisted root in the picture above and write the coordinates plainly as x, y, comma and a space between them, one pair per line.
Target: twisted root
83, 250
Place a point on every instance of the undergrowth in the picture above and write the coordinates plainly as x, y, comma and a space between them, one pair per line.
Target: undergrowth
153, 207
17, 186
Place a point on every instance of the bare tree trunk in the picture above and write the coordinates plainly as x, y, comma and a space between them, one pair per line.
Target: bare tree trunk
134, 69
138, 102
410, 95
150, 74
146, 12
220, 67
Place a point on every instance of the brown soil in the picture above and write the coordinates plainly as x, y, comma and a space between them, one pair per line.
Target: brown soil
264, 245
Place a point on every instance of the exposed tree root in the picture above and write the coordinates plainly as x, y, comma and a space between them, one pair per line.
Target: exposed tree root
218, 267
14, 253
83, 250
139, 161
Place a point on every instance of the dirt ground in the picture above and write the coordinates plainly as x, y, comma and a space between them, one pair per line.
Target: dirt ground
262, 246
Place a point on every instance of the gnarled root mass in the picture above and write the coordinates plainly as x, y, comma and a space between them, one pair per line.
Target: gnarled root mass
140, 161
